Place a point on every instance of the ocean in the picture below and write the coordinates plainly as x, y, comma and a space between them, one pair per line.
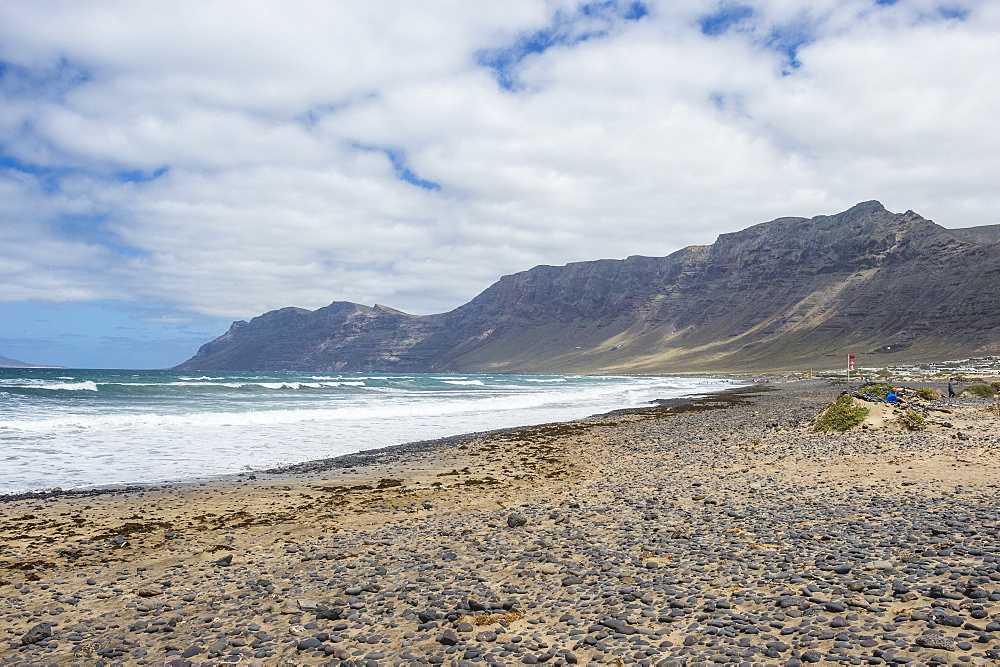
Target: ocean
89, 428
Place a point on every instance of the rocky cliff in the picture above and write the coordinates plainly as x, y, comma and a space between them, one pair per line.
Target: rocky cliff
785, 294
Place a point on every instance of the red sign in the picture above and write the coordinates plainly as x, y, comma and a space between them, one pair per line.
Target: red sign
850, 362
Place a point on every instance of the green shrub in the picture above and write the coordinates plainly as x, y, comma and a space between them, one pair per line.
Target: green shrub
841, 415
979, 391
876, 389
911, 421
928, 394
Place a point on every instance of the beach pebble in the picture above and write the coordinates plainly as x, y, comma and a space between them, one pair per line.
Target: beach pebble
931, 640
326, 614
308, 643
36, 634
878, 565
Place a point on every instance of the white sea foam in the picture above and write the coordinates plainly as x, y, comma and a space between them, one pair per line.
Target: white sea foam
429, 404
86, 385
189, 427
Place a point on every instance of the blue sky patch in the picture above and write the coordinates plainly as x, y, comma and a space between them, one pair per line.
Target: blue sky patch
47, 177
726, 17
787, 40
51, 82
404, 173
953, 13
947, 12
784, 39
635, 11
91, 229
12, 163
590, 21
159, 336
397, 157
140, 176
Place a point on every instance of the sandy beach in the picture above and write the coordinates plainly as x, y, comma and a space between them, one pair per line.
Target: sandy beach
707, 531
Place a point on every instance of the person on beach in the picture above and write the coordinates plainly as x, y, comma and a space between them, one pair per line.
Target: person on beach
891, 397
951, 389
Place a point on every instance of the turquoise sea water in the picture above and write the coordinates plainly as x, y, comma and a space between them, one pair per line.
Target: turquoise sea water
82, 428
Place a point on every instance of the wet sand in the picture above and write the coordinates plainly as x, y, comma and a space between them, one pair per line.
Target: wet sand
711, 531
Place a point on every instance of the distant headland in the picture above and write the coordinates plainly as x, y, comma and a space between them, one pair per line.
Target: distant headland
7, 362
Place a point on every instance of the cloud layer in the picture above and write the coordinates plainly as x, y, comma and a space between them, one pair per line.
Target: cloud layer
230, 158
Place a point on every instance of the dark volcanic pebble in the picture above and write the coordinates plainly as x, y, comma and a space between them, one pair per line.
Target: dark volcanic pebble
36, 634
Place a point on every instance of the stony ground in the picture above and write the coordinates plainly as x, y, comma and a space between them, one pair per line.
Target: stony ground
723, 531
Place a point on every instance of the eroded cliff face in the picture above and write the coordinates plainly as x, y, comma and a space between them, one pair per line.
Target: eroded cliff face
790, 293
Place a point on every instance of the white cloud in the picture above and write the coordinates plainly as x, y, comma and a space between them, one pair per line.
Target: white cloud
293, 136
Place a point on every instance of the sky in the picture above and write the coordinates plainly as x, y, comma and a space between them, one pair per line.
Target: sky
169, 167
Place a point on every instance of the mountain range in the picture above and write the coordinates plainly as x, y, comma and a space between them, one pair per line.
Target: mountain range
792, 293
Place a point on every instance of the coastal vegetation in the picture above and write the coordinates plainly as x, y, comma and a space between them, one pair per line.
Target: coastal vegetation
841, 415
927, 394
979, 391
912, 421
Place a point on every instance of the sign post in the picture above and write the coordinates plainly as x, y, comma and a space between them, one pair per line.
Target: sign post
850, 366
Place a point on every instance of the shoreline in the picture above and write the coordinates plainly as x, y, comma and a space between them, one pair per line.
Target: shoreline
720, 529
334, 462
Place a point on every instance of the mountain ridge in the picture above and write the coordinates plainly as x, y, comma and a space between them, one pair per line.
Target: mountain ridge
789, 293
7, 362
